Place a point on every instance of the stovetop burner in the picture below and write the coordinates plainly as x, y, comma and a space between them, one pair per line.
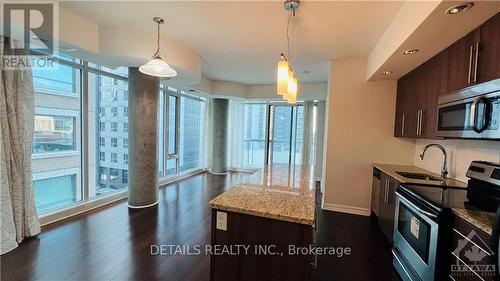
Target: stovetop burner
482, 192
437, 197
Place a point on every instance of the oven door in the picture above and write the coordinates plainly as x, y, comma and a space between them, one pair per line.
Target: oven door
474, 117
415, 240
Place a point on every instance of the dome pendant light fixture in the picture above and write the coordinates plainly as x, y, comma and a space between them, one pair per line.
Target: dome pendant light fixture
157, 66
286, 86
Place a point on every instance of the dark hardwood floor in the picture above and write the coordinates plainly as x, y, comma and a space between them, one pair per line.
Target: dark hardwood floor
113, 242
371, 256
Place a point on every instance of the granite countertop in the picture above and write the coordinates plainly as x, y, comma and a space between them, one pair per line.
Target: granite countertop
391, 170
480, 219
279, 192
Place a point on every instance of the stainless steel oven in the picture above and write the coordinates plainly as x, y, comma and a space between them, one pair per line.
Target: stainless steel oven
470, 114
415, 240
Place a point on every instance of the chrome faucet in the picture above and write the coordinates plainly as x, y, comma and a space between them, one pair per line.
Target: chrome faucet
444, 170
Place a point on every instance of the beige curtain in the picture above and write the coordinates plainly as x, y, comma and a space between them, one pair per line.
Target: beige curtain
17, 113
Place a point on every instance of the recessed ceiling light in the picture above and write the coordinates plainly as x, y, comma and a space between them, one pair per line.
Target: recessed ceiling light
459, 8
387, 72
410, 52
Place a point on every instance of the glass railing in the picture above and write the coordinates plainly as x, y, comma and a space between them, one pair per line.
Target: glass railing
254, 152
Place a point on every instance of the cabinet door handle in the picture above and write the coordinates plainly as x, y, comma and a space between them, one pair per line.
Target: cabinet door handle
418, 121
475, 61
422, 121
403, 125
470, 64
387, 191
384, 192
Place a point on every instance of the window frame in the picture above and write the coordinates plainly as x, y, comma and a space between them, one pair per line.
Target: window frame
114, 142
102, 153
266, 131
51, 112
165, 93
115, 158
74, 171
82, 70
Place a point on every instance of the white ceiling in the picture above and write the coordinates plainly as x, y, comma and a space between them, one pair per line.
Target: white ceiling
240, 41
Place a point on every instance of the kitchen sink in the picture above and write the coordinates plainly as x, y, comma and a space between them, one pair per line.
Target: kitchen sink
418, 176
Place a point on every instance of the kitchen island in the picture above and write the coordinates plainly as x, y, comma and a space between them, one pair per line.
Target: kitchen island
270, 216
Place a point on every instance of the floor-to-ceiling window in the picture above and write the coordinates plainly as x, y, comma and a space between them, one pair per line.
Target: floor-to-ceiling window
263, 133
181, 134
192, 113
57, 153
71, 140
254, 135
285, 134
108, 130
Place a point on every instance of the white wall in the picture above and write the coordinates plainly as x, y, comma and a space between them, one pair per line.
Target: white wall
306, 91
460, 154
360, 125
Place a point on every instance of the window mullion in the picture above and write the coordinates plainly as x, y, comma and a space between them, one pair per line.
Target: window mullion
177, 131
165, 132
85, 132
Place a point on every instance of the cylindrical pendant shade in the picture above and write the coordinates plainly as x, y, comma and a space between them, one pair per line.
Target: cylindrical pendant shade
292, 90
283, 70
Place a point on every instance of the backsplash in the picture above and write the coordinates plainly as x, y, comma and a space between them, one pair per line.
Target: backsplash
460, 155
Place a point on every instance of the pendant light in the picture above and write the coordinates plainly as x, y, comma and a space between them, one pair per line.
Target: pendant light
157, 66
283, 73
286, 85
292, 90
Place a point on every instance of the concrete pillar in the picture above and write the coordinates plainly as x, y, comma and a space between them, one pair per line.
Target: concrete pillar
220, 112
143, 171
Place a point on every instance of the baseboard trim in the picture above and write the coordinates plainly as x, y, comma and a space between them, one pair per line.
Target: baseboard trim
347, 209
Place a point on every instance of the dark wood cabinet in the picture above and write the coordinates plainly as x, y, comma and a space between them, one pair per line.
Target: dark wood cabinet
421, 91
488, 65
265, 240
438, 84
376, 190
386, 204
416, 105
462, 56
405, 125
473, 59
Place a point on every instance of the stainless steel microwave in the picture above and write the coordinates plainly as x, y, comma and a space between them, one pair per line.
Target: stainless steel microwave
470, 114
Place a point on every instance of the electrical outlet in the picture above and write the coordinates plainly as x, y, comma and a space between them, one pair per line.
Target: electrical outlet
221, 222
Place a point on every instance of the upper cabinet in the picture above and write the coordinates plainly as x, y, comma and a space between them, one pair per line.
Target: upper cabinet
405, 122
418, 91
473, 59
462, 57
488, 64
422, 92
